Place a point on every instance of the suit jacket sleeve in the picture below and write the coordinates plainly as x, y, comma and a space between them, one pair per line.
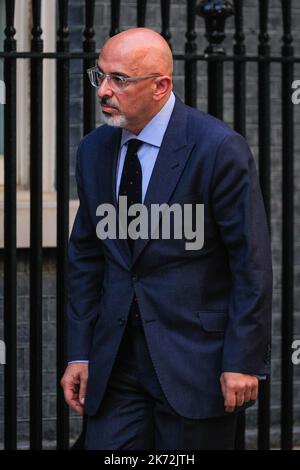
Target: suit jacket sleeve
240, 215
86, 268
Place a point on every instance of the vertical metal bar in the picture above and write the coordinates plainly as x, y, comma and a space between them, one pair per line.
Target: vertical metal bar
215, 15
239, 50
264, 103
190, 75
10, 257
287, 298
265, 182
215, 87
89, 114
88, 46
36, 230
240, 442
115, 17
165, 20
62, 187
141, 12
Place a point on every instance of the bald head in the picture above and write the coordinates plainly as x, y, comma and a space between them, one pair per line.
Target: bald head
144, 50
140, 53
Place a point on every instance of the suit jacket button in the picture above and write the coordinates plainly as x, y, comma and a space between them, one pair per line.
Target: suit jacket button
135, 277
121, 321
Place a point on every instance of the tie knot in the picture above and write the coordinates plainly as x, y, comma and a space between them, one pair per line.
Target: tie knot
133, 146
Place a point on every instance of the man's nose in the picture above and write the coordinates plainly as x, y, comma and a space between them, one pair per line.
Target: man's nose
104, 89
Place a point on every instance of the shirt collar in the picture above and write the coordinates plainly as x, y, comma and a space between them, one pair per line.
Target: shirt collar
154, 131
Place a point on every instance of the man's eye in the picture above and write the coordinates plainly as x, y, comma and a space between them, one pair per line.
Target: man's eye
118, 80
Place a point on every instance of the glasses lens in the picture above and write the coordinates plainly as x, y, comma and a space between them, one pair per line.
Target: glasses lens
117, 83
96, 77
93, 76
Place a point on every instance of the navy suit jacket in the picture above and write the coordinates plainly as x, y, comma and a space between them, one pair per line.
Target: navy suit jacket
204, 311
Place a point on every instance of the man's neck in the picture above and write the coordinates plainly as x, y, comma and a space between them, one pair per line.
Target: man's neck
137, 129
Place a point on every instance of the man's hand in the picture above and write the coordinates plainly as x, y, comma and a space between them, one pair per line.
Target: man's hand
74, 383
238, 389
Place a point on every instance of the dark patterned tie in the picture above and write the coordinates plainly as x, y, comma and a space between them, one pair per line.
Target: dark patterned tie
131, 180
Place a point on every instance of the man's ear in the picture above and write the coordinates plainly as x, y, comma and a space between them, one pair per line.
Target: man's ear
162, 87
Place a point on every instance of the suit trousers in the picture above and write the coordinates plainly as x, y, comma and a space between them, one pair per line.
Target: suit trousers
135, 414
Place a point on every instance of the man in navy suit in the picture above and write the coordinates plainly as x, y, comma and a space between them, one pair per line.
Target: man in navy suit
166, 344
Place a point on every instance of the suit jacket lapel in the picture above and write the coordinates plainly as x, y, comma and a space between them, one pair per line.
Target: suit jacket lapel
170, 162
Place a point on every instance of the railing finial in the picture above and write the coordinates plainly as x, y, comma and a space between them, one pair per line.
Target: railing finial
215, 14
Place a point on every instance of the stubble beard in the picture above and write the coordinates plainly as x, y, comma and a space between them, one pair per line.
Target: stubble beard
111, 120
114, 121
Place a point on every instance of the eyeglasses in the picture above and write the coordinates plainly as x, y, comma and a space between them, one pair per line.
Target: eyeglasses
116, 82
